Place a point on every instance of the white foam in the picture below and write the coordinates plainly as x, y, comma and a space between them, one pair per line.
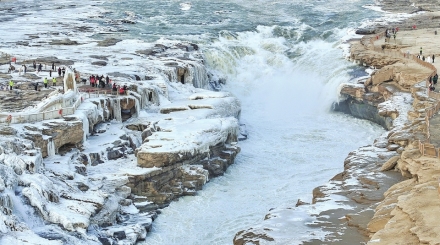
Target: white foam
284, 104
185, 6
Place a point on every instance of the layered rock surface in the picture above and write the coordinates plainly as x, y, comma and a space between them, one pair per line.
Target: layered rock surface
98, 176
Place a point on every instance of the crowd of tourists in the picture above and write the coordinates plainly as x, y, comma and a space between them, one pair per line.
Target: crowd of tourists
427, 58
61, 71
105, 82
99, 81
391, 32
95, 80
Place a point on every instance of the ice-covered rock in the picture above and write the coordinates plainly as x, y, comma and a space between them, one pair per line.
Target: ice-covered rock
75, 178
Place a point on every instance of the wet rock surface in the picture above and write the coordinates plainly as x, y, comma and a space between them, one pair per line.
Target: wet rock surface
65, 41
20, 99
402, 6
108, 42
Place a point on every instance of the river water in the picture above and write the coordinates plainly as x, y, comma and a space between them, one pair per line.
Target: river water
282, 59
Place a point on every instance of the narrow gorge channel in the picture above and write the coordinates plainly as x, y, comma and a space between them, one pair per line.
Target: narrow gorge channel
295, 143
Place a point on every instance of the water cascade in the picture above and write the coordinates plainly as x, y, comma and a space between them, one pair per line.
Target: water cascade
292, 139
280, 58
25, 213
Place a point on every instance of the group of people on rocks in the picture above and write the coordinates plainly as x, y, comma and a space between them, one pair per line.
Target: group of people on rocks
54, 79
11, 68
38, 68
105, 82
427, 59
22, 69
432, 81
99, 81
390, 32
95, 80
122, 90
45, 81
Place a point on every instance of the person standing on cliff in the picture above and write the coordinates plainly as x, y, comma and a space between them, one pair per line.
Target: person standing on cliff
432, 60
420, 50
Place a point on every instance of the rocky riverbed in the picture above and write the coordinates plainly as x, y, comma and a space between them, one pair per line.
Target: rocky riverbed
387, 193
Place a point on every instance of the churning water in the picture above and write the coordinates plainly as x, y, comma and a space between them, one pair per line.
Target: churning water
281, 59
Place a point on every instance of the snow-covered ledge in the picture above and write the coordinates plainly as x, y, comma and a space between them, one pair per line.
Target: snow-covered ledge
192, 126
76, 177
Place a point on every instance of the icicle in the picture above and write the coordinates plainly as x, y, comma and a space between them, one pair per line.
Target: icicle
85, 121
198, 75
142, 99
100, 108
155, 97
50, 147
5, 201
137, 105
117, 110
171, 74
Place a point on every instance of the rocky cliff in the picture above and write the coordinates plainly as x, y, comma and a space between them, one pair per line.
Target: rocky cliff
388, 190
